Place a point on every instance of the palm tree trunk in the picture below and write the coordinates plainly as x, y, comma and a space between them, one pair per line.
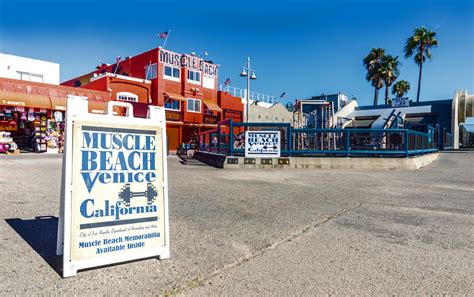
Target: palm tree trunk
422, 49
419, 83
376, 97
386, 93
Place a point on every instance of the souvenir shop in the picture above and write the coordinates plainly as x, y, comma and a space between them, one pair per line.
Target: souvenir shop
30, 129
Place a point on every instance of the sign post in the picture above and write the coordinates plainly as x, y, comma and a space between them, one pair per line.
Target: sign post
262, 144
114, 187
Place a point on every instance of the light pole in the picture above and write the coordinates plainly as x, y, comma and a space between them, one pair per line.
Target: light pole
246, 73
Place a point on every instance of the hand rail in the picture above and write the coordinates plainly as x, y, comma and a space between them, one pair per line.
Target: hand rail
228, 138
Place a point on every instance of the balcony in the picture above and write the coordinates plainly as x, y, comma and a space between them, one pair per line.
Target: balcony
174, 116
210, 119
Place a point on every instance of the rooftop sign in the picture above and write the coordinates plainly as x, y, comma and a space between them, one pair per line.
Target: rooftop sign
188, 61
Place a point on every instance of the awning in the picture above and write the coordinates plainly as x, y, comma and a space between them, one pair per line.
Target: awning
175, 96
361, 123
24, 100
97, 107
100, 107
140, 110
58, 103
212, 105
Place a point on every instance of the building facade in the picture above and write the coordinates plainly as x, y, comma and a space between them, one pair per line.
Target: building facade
22, 68
269, 113
184, 84
32, 113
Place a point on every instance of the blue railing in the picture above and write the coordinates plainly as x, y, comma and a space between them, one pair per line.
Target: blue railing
229, 139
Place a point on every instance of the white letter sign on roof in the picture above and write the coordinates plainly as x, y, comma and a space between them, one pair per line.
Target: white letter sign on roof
114, 197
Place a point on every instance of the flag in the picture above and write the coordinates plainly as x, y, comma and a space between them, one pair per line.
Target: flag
163, 34
282, 94
227, 82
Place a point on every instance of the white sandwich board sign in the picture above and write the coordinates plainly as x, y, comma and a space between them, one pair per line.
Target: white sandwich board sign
114, 188
262, 144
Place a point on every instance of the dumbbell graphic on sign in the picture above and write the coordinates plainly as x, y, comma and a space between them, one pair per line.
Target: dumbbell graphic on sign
125, 195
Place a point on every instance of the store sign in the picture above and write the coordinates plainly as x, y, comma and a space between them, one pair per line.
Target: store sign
210, 119
234, 115
400, 102
170, 58
262, 144
114, 192
192, 62
13, 103
208, 69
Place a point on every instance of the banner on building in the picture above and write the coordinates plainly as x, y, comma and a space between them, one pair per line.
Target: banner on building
114, 201
401, 102
262, 144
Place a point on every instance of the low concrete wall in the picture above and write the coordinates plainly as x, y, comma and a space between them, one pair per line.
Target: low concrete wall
221, 161
212, 159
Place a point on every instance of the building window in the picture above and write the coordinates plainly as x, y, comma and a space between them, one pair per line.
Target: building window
173, 104
126, 96
30, 76
194, 77
150, 71
194, 105
171, 73
208, 82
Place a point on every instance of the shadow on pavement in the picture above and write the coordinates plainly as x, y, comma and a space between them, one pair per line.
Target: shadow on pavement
41, 234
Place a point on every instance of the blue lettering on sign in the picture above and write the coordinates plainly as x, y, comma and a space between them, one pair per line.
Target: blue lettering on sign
88, 209
117, 157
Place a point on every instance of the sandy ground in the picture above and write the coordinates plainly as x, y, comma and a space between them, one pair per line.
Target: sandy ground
271, 232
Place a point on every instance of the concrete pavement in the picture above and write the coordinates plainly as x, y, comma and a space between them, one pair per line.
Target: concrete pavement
265, 232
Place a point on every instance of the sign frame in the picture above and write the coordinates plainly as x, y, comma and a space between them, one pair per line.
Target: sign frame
77, 112
401, 102
277, 150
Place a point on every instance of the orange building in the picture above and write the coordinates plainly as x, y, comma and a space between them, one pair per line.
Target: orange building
186, 85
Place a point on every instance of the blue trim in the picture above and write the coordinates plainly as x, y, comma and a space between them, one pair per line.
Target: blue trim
413, 143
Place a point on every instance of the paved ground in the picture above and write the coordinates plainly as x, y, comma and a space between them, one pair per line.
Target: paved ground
235, 232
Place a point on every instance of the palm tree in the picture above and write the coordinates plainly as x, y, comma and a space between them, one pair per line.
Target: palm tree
419, 45
372, 64
400, 88
389, 72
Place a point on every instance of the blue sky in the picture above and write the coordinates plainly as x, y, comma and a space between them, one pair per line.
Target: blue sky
302, 47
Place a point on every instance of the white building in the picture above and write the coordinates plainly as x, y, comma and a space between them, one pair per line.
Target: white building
22, 68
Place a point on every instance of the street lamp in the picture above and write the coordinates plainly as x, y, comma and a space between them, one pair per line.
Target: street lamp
246, 73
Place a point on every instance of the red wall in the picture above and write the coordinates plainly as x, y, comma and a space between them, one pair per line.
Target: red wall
136, 67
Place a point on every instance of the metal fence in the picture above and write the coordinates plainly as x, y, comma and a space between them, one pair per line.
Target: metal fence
229, 139
242, 93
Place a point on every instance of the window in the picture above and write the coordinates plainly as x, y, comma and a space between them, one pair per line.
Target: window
172, 104
30, 76
171, 73
126, 96
208, 82
194, 76
194, 105
150, 71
